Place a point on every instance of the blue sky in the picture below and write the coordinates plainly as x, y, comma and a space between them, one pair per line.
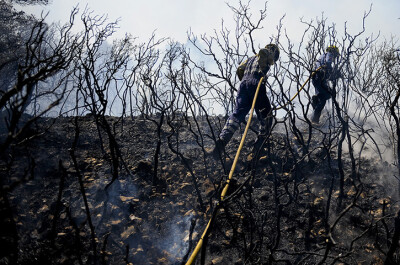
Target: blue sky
174, 18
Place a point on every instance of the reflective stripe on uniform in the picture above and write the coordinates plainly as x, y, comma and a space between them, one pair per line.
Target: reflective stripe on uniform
229, 129
231, 125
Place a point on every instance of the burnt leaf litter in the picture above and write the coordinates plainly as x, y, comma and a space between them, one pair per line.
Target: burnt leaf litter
284, 206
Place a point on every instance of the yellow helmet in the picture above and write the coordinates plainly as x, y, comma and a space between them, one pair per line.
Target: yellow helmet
333, 49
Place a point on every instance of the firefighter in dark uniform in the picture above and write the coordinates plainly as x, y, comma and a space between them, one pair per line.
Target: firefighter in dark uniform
324, 72
250, 72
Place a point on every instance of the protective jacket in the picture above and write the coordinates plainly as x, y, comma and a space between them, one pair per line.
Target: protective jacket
325, 61
251, 69
250, 72
323, 91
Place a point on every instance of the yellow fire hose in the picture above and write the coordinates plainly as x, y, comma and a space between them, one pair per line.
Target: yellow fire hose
308, 79
225, 190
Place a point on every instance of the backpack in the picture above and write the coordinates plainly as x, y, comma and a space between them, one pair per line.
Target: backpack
262, 53
240, 70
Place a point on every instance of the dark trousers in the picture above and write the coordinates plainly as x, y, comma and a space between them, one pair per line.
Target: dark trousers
244, 100
322, 91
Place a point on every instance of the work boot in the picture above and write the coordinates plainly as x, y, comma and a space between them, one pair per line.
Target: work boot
264, 130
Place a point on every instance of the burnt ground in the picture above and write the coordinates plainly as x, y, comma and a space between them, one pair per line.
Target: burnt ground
285, 208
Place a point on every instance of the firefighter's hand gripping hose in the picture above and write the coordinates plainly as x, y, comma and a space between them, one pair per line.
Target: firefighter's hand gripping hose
225, 190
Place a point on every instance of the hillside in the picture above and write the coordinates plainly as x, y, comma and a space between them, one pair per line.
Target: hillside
65, 203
